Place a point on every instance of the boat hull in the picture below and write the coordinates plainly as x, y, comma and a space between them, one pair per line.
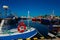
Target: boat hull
23, 35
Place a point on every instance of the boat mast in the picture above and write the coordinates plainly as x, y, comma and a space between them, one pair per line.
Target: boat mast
53, 13
28, 17
2, 22
5, 9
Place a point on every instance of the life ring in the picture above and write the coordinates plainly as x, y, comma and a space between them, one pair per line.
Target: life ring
21, 27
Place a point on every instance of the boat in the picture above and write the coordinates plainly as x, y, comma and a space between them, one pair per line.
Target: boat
52, 23
21, 30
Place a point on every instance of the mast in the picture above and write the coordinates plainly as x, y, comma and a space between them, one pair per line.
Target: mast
5, 9
2, 22
28, 17
53, 13
1, 25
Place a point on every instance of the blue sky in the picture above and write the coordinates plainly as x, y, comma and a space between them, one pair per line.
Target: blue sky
36, 7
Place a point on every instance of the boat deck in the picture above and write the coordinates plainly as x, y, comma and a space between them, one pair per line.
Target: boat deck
15, 32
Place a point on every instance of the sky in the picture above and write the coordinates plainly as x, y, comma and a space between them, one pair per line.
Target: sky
36, 7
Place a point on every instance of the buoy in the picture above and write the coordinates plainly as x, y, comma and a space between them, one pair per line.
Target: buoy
21, 27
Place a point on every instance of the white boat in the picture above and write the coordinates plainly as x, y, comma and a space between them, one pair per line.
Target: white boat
22, 31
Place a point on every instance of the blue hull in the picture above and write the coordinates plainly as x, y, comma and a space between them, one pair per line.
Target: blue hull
23, 36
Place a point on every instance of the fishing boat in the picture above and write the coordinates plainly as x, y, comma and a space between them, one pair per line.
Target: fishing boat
21, 30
